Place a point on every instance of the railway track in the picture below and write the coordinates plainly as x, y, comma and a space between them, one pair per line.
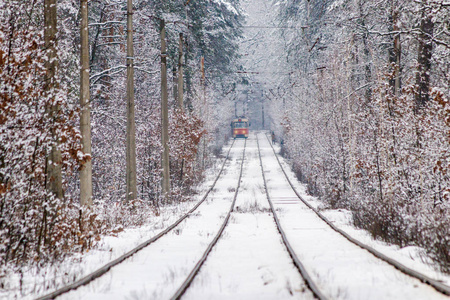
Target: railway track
318, 288
293, 258
183, 288
438, 286
298, 264
106, 268
318, 292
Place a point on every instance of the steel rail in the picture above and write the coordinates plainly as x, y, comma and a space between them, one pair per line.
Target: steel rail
183, 288
102, 270
308, 280
438, 286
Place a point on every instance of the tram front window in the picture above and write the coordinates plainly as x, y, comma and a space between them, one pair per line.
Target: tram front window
240, 125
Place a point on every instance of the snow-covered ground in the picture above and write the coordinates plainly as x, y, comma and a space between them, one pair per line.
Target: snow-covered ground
32, 282
156, 271
250, 261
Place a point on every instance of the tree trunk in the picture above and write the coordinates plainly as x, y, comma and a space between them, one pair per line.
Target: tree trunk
131, 126
164, 116
54, 167
85, 117
395, 50
367, 54
180, 73
425, 52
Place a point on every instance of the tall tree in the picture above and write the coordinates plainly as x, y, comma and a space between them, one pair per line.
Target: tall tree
395, 49
54, 160
425, 51
131, 125
85, 116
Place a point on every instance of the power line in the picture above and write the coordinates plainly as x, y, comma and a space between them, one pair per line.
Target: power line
275, 27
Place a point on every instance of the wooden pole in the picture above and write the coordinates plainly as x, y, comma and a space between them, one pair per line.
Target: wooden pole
164, 117
131, 125
85, 116
203, 82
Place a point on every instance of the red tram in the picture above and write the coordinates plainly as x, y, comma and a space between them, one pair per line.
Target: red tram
239, 127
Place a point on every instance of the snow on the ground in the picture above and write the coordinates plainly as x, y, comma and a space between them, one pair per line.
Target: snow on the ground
32, 282
411, 256
250, 261
156, 271
38, 281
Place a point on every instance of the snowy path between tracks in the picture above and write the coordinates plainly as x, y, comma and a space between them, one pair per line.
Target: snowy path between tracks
247, 263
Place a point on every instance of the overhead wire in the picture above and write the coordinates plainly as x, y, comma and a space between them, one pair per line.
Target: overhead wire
275, 27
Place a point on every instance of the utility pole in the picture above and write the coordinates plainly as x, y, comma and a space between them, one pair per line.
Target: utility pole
54, 160
262, 114
203, 83
180, 90
175, 84
180, 73
202, 66
244, 105
131, 125
164, 116
306, 32
85, 116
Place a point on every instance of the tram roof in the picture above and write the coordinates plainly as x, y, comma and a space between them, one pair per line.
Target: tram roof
240, 119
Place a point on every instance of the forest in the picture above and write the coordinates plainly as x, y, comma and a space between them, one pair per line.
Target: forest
112, 109
54, 129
